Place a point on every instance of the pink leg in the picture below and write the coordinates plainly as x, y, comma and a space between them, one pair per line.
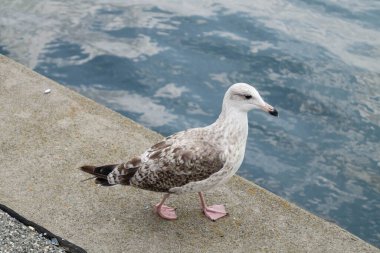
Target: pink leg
212, 212
165, 212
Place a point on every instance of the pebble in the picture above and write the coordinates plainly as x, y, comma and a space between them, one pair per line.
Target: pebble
54, 241
16, 237
47, 91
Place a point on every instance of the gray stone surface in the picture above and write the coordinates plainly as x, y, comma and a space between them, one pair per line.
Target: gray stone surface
46, 137
15, 237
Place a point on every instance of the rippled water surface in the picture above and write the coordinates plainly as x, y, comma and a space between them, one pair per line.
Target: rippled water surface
168, 64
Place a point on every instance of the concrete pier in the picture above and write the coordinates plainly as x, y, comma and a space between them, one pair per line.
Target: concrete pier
44, 138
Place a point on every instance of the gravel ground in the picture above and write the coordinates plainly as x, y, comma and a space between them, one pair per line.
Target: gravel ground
16, 237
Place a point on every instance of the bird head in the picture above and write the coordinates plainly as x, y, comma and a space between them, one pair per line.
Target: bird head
245, 97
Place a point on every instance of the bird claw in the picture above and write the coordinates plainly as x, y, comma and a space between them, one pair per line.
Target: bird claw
165, 212
215, 212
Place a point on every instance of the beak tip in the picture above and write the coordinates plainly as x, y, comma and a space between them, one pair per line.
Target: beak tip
274, 112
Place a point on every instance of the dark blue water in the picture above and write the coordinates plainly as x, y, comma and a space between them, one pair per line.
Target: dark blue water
168, 65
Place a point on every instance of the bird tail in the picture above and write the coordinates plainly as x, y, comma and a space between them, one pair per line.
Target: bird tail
109, 175
100, 173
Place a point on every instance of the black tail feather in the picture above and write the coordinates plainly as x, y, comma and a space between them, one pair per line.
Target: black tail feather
100, 173
122, 176
102, 182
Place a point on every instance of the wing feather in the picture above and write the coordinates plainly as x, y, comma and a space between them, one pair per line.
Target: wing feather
176, 161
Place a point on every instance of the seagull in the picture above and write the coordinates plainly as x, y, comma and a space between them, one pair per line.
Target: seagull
195, 160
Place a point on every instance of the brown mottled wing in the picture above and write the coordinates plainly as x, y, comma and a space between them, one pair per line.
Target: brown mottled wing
174, 163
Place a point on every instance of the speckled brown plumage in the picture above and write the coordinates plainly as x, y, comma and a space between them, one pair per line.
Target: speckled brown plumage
174, 163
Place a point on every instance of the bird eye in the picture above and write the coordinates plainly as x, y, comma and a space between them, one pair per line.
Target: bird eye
248, 96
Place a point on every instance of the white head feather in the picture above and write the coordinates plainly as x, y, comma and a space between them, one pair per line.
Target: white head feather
244, 97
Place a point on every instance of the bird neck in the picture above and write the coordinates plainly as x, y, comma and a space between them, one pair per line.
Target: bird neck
233, 122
